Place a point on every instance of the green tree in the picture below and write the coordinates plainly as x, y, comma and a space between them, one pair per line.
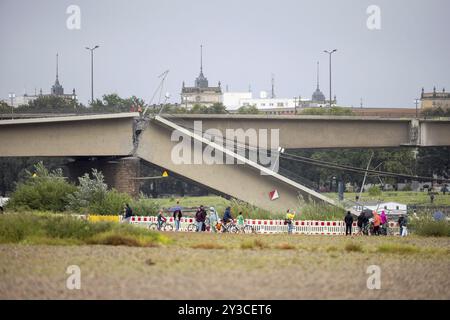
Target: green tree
334, 111
51, 104
4, 108
248, 110
42, 190
113, 103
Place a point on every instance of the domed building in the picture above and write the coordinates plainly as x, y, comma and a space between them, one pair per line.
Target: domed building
318, 96
201, 93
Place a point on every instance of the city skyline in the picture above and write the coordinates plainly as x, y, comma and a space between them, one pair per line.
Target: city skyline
238, 52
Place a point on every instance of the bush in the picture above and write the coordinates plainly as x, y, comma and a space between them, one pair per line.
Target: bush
320, 212
92, 196
42, 190
428, 227
33, 228
375, 191
144, 207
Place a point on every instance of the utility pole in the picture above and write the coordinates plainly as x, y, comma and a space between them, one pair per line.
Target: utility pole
417, 110
330, 53
273, 87
92, 71
365, 176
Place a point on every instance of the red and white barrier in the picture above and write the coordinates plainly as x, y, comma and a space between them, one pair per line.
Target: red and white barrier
310, 227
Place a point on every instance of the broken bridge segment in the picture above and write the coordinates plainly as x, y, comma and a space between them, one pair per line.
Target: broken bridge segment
242, 181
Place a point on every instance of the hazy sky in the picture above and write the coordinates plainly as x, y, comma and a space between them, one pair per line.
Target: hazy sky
244, 42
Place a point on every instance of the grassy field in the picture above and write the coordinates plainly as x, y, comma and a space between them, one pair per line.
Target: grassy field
406, 197
229, 266
305, 211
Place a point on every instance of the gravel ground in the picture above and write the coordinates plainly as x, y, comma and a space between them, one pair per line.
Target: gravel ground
281, 267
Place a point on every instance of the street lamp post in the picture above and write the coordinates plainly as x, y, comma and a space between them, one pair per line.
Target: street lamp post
92, 71
330, 53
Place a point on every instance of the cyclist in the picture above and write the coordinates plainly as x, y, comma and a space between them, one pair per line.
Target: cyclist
227, 217
161, 219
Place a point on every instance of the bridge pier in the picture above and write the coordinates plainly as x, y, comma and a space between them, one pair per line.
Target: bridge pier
119, 173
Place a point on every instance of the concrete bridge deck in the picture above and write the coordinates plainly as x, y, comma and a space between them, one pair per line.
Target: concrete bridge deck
126, 134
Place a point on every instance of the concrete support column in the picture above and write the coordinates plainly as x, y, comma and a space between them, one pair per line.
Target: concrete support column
119, 173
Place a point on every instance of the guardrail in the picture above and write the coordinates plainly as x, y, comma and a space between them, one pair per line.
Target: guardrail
309, 227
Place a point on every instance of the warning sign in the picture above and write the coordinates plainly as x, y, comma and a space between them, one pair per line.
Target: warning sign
274, 195
165, 174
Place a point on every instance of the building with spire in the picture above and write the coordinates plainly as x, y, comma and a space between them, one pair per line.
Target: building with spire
318, 97
201, 93
56, 90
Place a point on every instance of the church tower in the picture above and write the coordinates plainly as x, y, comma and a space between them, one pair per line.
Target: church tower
57, 89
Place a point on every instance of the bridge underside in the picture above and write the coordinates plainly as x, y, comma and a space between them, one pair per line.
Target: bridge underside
240, 181
125, 135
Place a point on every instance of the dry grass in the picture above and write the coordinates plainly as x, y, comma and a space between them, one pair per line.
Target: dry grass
398, 248
254, 244
208, 246
285, 246
353, 247
318, 268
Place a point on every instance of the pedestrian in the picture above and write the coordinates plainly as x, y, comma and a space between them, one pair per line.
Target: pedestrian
360, 223
376, 223
348, 223
290, 215
405, 227
200, 217
213, 219
160, 219
384, 222
227, 217
240, 221
128, 213
177, 215
400, 221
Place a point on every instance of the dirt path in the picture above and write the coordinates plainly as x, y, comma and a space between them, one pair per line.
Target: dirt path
307, 267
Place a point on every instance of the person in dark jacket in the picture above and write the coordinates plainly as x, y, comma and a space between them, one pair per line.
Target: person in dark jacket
227, 215
348, 223
360, 222
200, 217
128, 213
400, 221
177, 215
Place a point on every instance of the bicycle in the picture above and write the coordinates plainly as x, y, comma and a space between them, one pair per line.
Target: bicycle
230, 227
164, 226
245, 229
192, 227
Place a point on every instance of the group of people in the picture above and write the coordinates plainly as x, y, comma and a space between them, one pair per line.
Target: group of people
203, 220
376, 225
215, 223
